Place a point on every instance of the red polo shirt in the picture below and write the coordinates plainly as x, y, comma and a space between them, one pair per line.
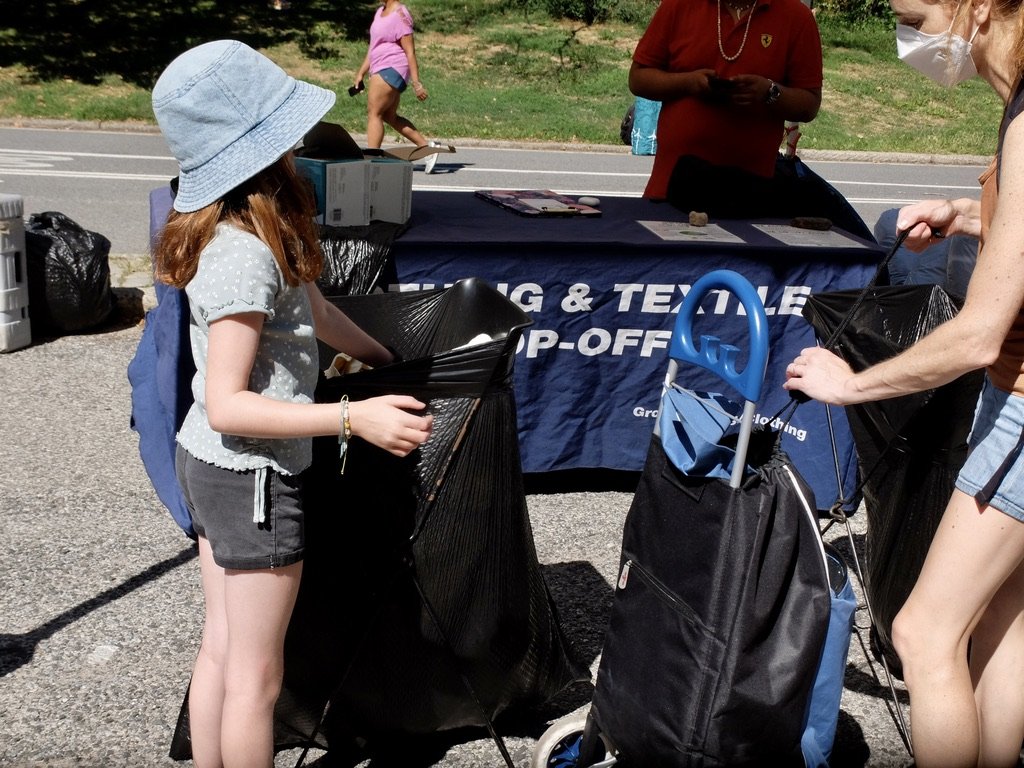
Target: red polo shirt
783, 45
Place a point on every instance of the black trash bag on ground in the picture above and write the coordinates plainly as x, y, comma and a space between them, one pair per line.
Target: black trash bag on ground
909, 449
732, 193
68, 274
626, 126
422, 606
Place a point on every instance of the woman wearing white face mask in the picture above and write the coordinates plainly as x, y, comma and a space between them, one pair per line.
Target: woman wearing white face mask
945, 57
960, 635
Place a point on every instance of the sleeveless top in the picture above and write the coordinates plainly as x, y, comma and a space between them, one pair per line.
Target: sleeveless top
1007, 372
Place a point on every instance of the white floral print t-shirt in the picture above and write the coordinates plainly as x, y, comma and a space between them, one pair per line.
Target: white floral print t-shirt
238, 273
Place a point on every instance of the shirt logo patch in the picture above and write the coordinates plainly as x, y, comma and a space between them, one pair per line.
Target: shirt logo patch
766, 40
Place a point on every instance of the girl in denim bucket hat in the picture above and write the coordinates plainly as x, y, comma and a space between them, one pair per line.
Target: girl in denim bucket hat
242, 242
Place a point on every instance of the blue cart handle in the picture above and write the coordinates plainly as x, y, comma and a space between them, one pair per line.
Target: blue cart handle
713, 354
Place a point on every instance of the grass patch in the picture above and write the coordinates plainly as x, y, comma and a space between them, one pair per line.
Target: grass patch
495, 69
872, 101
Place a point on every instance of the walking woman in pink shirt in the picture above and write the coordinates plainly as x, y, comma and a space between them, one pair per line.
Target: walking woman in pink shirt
391, 64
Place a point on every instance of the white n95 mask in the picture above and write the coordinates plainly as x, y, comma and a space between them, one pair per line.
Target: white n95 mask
944, 58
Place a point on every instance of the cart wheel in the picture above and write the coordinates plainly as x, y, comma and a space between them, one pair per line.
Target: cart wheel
559, 747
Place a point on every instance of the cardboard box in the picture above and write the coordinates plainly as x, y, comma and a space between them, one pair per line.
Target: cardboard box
341, 188
342, 173
390, 189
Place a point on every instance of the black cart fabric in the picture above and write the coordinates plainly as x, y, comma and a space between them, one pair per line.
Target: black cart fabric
910, 449
422, 605
719, 617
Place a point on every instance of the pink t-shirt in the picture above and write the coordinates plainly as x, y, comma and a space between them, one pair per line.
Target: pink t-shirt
385, 32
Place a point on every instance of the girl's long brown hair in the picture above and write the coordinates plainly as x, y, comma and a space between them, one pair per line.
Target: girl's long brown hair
276, 205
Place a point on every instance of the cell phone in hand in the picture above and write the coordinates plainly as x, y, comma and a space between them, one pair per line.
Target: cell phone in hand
354, 89
720, 84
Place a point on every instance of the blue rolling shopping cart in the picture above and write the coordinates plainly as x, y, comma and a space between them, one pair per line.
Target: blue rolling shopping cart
715, 652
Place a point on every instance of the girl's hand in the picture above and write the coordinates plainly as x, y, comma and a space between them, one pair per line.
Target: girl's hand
388, 423
419, 90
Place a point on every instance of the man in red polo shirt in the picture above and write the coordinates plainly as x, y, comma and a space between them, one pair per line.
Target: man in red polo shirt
729, 74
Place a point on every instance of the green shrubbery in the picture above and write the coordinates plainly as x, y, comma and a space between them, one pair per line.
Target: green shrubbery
639, 11
855, 10
590, 11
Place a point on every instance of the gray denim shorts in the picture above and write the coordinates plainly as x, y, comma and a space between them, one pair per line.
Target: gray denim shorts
225, 505
994, 471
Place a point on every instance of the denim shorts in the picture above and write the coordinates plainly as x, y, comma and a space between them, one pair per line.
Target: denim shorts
994, 471
226, 506
392, 78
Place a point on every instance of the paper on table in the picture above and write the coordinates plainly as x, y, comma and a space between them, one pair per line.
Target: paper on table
815, 238
547, 204
681, 230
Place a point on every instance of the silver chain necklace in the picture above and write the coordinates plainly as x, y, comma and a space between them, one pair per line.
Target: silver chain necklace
746, 31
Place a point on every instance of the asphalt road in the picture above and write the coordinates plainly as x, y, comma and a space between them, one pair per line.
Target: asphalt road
102, 178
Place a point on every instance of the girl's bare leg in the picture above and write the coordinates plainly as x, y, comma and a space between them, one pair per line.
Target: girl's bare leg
206, 691
259, 606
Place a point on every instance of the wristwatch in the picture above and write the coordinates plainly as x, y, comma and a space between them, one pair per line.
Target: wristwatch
773, 93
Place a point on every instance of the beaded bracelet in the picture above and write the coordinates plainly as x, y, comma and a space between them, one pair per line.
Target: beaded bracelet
344, 433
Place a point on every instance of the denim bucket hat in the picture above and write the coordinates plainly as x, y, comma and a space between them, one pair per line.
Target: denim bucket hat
227, 112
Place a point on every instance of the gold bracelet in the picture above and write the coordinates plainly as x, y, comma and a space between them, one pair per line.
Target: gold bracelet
344, 433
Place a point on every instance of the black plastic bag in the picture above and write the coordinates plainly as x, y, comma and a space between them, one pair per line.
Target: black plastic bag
68, 274
732, 193
420, 579
909, 449
626, 127
356, 258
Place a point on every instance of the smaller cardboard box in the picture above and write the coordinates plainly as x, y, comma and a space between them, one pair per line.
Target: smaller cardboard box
390, 189
341, 187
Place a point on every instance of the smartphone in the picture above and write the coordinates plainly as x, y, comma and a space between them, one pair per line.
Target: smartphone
720, 84
354, 89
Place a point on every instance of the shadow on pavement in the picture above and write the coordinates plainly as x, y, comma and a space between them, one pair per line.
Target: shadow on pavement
576, 480
18, 650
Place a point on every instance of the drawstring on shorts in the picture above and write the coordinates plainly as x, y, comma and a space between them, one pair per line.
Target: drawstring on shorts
260, 496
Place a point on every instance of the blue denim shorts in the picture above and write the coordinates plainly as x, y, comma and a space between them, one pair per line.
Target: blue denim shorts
994, 471
392, 78
226, 507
